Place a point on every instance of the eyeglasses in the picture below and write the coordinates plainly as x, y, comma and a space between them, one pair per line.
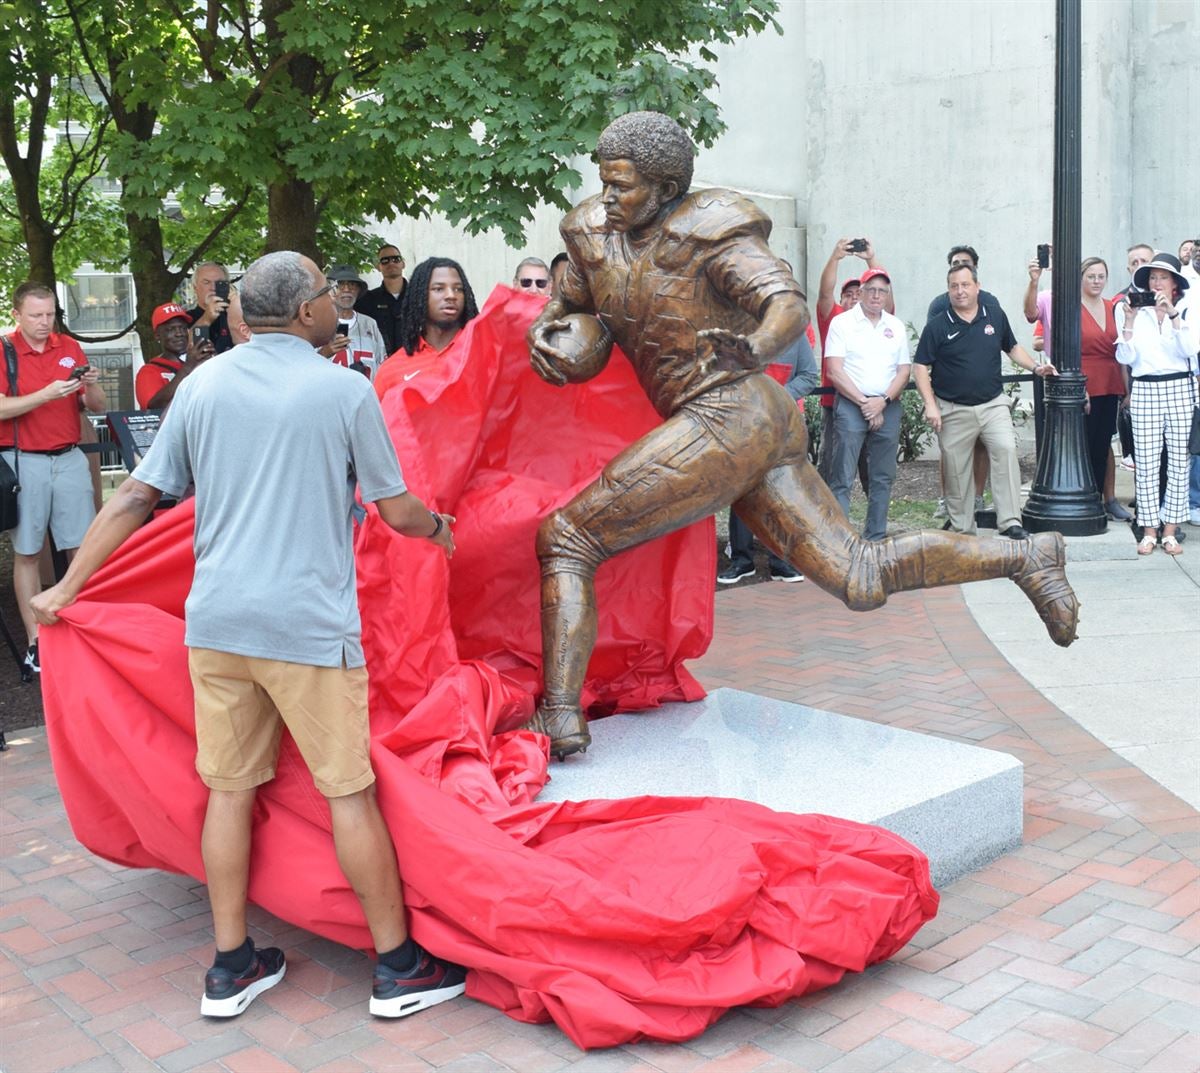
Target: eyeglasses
317, 294
876, 292
392, 259
540, 284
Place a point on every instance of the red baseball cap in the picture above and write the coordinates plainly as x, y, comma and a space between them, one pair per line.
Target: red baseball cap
872, 273
168, 311
851, 282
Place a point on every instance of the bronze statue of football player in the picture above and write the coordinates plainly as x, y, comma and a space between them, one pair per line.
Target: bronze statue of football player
687, 286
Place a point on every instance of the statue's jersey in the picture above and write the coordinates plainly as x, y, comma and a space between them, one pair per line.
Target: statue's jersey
707, 266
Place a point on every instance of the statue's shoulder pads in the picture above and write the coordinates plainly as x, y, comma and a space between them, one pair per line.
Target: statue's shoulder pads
709, 216
586, 218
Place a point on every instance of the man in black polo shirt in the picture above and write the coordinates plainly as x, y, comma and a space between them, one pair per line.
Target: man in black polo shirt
957, 369
382, 303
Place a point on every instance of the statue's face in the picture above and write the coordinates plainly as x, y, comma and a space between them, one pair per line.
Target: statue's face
631, 201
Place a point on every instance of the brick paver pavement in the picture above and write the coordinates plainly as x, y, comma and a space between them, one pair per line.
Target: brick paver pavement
1077, 953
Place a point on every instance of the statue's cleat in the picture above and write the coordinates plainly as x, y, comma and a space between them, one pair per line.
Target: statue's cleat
1042, 577
566, 727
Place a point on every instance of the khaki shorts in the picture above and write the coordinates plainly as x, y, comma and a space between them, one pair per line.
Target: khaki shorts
243, 703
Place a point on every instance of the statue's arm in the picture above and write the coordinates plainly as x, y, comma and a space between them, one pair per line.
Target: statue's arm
574, 296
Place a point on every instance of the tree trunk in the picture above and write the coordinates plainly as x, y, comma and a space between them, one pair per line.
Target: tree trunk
292, 218
25, 173
153, 282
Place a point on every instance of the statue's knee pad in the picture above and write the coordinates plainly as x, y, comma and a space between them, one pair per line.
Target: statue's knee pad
563, 544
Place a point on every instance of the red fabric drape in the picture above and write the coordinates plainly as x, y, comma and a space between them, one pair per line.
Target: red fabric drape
618, 919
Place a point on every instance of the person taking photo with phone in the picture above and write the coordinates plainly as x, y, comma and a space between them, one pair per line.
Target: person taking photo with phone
39, 439
1098, 362
1158, 342
211, 284
183, 348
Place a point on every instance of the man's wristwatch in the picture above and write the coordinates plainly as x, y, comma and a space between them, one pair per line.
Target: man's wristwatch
437, 528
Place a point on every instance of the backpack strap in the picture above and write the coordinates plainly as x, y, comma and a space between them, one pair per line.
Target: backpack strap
10, 363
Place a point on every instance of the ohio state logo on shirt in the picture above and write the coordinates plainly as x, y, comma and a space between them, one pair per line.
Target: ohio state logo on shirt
888, 333
988, 330
67, 362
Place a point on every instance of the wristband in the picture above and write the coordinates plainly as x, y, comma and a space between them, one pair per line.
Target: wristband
437, 528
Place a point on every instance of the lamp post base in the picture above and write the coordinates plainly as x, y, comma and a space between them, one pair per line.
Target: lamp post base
1064, 496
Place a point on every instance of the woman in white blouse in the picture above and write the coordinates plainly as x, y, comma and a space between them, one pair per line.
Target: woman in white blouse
1158, 343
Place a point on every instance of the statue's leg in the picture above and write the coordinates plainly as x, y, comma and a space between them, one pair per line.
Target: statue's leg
796, 516
686, 469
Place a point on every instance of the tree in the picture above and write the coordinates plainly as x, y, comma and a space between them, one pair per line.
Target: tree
49, 208
381, 108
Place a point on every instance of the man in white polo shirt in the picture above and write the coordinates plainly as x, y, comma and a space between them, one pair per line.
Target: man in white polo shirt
866, 360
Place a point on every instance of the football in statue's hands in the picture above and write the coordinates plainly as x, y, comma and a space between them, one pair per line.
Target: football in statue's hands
587, 344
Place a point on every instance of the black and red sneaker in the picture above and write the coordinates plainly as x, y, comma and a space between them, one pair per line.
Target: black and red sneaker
227, 995
430, 981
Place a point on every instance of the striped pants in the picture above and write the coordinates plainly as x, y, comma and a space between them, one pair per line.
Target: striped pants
1161, 411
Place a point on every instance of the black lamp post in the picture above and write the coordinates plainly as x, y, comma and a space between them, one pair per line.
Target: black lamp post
1064, 494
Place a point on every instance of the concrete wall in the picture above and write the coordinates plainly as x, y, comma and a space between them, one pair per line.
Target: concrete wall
1164, 54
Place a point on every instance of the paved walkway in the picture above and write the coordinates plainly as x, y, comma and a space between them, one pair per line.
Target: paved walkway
1077, 953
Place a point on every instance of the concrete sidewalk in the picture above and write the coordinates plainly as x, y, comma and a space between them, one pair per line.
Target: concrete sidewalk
1133, 677
1077, 953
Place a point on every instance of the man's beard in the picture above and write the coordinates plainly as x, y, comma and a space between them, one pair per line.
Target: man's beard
446, 325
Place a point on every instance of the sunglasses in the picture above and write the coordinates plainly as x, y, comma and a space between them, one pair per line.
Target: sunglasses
540, 284
391, 259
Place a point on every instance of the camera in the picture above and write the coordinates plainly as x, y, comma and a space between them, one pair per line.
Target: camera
1142, 299
79, 372
221, 289
200, 334
1043, 255
857, 245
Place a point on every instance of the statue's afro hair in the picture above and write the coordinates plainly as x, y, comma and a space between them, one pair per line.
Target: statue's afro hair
655, 144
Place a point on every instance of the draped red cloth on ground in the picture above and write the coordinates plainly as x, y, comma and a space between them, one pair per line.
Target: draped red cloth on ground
618, 919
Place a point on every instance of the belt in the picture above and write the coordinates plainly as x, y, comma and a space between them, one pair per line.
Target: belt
52, 451
1163, 376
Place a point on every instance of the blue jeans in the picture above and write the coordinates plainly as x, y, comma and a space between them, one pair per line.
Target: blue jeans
852, 432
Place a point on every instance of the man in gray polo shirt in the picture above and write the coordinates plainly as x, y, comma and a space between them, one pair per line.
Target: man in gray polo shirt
275, 439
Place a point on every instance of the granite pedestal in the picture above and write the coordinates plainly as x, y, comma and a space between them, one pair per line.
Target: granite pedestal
961, 805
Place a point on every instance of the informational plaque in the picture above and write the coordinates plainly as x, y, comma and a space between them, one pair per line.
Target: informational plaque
134, 431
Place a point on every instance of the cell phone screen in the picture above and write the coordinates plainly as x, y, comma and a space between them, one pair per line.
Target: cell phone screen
343, 327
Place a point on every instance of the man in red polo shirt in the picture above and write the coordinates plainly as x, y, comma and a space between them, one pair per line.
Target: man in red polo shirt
42, 418
159, 378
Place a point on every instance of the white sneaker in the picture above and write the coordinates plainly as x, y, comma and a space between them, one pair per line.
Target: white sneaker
941, 511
